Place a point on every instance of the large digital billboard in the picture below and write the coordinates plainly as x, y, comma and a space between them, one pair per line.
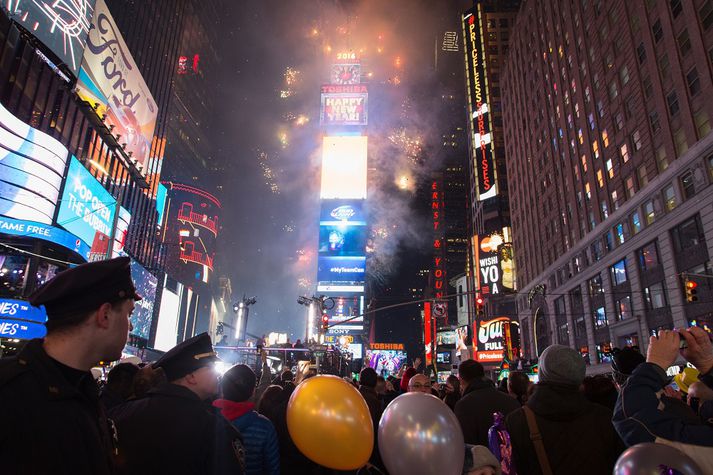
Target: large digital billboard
385, 362
145, 284
342, 212
344, 167
490, 346
168, 315
87, 209
31, 168
342, 240
345, 73
42, 231
60, 25
344, 108
481, 126
110, 78
495, 262
341, 273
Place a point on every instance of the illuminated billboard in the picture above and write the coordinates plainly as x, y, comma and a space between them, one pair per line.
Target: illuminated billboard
87, 209
490, 345
42, 231
342, 240
61, 26
349, 73
344, 167
142, 315
161, 195
385, 362
496, 264
481, 120
344, 109
341, 273
167, 326
342, 212
31, 169
110, 79
122, 230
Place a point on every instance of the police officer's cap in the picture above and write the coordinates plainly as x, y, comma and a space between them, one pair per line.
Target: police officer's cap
85, 288
187, 357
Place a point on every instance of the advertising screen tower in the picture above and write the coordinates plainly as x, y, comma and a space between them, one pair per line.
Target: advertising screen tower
341, 263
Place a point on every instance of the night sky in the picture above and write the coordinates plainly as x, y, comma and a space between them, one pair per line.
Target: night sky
271, 188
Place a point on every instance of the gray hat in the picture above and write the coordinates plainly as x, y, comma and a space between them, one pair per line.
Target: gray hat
561, 365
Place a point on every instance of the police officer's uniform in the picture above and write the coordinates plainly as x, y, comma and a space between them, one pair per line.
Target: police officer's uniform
171, 430
51, 421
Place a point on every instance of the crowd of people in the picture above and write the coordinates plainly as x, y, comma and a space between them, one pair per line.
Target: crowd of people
176, 415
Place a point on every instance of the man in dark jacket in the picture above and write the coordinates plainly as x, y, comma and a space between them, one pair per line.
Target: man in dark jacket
577, 435
172, 429
480, 400
367, 388
51, 416
262, 452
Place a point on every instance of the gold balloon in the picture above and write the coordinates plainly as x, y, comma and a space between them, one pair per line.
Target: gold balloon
330, 423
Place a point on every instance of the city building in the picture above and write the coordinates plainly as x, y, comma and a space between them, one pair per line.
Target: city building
80, 167
486, 33
606, 115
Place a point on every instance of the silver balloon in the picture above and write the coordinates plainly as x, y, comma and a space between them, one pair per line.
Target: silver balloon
655, 459
419, 434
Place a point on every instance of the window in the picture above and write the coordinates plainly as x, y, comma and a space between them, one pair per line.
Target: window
595, 286
597, 251
630, 186
672, 101
619, 232
605, 210
676, 7
687, 185
563, 334
648, 86
636, 140
680, 142
600, 179
623, 308
688, 234
703, 124
661, 159
669, 197
13, 275
649, 212
655, 296
648, 256
595, 149
610, 168
624, 152
618, 272
624, 75
605, 138
635, 220
599, 316
615, 199
643, 176
664, 66
654, 121
641, 53
609, 241
613, 91
684, 43
580, 327
657, 31
706, 14
693, 81
619, 121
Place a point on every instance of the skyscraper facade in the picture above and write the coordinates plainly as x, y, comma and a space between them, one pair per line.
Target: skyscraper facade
606, 116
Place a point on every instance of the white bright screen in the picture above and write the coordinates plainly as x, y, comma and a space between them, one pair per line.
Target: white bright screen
167, 327
344, 167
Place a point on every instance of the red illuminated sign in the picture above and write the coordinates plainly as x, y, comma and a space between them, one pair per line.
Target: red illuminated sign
387, 346
479, 104
439, 271
345, 89
427, 333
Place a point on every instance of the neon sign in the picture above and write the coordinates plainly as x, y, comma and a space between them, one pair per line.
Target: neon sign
482, 143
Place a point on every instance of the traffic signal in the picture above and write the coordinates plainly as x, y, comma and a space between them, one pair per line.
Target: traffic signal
325, 322
691, 291
479, 306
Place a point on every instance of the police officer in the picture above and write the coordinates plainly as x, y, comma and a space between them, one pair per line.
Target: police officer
173, 429
52, 421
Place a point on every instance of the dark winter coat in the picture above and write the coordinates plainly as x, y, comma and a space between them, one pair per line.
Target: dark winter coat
171, 430
375, 409
475, 410
577, 434
49, 425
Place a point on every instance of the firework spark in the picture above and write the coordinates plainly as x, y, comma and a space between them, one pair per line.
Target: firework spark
292, 75
268, 172
410, 146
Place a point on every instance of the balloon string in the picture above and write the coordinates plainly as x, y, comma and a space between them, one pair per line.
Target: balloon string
370, 467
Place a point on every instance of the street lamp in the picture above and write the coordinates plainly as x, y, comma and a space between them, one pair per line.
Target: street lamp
241, 308
314, 304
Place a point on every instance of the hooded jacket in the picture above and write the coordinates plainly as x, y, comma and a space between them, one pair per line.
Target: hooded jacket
577, 434
475, 410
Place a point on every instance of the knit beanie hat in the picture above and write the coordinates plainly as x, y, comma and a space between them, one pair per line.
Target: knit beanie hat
561, 365
477, 457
